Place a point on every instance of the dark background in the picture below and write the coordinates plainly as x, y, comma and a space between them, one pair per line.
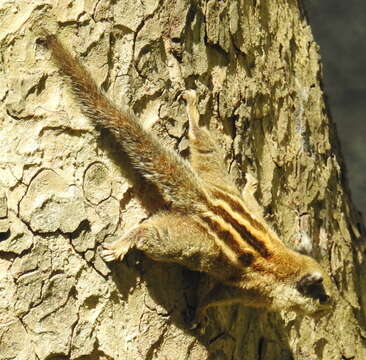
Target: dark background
339, 27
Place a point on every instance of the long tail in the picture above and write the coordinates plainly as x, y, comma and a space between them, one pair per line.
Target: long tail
171, 174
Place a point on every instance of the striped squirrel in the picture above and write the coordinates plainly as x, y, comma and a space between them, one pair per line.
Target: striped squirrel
205, 225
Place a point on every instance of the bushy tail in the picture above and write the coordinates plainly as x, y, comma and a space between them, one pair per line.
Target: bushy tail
171, 174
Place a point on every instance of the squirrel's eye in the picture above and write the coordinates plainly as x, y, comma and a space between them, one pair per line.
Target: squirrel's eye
324, 299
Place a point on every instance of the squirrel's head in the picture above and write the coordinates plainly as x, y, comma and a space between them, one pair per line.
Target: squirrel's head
309, 292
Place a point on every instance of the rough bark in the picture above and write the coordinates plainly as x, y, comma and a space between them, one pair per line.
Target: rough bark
65, 189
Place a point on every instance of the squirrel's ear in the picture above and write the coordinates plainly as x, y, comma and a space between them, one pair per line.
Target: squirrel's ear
304, 244
311, 285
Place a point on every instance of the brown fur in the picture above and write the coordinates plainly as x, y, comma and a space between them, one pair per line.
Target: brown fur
208, 227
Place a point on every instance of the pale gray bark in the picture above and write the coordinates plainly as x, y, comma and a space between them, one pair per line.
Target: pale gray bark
63, 192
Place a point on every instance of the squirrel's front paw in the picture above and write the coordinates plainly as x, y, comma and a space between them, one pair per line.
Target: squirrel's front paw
114, 251
196, 320
190, 96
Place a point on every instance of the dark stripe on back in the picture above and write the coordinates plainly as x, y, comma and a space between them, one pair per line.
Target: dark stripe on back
226, 269
257, 244
245, 258
204, 151
238, 208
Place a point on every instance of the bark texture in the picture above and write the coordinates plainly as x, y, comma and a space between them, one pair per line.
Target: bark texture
64, 189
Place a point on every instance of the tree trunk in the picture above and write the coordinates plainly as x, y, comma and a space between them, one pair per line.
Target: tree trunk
65, 189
